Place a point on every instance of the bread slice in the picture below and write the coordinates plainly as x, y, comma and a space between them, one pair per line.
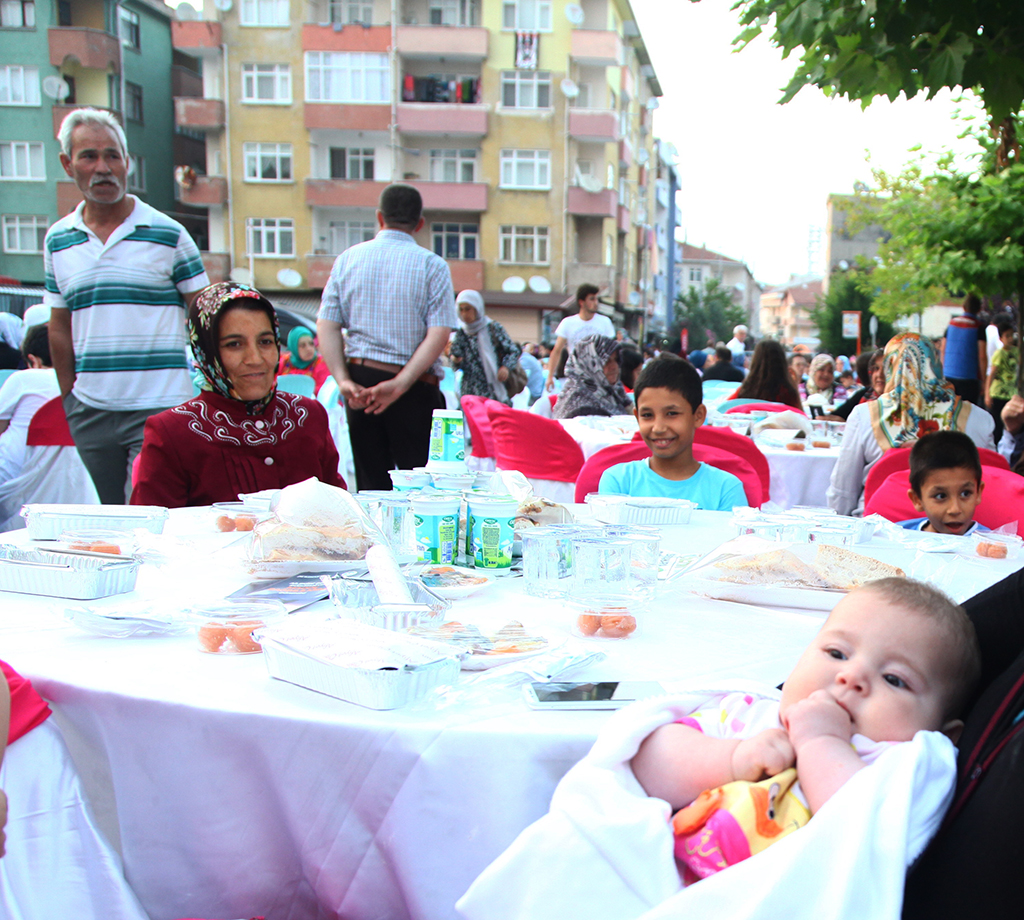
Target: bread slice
845, 569
775, 567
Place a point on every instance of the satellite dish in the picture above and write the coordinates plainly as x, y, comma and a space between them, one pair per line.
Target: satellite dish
514, 285
241, 276
643, 156
540, 285
652, 103
289, 278
56, 88
223, 5
634, 298
843, 265
590, 184
574, 13
569, 88
186, 12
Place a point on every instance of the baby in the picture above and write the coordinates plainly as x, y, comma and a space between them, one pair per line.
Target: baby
893, 658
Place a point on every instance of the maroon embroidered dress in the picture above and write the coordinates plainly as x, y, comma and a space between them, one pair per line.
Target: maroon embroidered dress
209, 450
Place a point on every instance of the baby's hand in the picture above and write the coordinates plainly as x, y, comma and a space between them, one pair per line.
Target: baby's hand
765, 754
819, 714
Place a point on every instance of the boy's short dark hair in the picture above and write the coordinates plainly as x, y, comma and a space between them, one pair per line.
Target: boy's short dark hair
672, 373
585, 290
796, 356
401, 206
723, 354
1004, 323
942, 450
972, 304
37, 342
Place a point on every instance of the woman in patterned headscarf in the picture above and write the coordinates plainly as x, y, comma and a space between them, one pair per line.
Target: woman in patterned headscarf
239, 434
592, 381
821, 380
917, 399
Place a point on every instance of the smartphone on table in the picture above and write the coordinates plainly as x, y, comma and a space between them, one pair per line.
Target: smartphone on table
589, 695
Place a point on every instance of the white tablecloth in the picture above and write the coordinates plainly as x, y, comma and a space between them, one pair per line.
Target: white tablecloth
231, 794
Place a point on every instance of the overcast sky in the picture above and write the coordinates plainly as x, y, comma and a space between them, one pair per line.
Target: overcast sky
755, 175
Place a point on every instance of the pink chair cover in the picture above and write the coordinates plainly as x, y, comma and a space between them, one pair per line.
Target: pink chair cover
763, 407
898, 458
475, 410
727, 439
49, 426
539, 448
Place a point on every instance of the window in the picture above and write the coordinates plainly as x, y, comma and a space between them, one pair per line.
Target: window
453, 166
264, 13
346, 11
456, 241
345, 233
24, 234
342, 76
695, 275
526, 15
526, 89
526, 169
454, 13
21, 160
267, 83
524, 244
19, 85
133, 101
271, 237
17, 14
130, 35
137, 174
267, 162
63, 12
351, 163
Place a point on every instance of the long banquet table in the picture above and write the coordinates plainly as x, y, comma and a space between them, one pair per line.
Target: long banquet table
232, 794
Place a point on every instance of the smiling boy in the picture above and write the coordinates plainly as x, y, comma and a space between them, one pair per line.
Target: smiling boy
945, 484
669, 410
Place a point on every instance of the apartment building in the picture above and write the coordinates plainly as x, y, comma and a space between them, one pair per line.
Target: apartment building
525, 124
696, 266
786, 311
54, 57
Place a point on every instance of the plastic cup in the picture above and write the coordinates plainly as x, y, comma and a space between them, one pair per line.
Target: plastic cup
453, 482
646, 556
491, 522
436, 516
409, 480
601, 565
447, 438
396, 522
547, 560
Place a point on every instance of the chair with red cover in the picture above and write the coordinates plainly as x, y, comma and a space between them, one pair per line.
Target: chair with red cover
763, 407
898, 458
727, 439
539, 448
474, 408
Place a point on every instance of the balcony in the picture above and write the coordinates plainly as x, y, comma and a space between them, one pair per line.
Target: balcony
453, 196
624, 221
594, 126
92, 48
467, 274
450, 119
596, 47
195, 37
206, 191
592, 204
318, 269
343, 193
578, 273
61, 111
68, 198
353, 37
348, 117
198, 113
625, 153
217, 265
453, 43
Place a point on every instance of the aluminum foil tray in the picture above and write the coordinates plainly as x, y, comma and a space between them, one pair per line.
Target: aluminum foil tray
81, 576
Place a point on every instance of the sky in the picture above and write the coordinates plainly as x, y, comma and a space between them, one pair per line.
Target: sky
755, 175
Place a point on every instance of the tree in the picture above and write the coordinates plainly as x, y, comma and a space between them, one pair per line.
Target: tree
847, 292
707, 312
867, 48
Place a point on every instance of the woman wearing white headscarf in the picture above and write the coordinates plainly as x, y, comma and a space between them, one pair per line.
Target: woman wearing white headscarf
482, 349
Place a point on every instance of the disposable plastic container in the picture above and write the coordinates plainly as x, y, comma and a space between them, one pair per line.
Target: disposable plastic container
227, 629
491, 524
632, 509
436, 515
605, 616
111, 542
48, 522
409, 480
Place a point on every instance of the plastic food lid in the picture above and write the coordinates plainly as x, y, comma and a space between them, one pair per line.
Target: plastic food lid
225, 612
435, 502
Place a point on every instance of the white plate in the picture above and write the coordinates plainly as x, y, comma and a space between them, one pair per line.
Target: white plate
457, 591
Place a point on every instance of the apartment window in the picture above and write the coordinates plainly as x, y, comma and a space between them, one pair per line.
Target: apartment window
526, 169
22, 160
269, 83
137, 175
130, 34
267, 162
19, 85
17, 14
453, 165
454, 13
456, 241
264, 13
351, 163
346, 11
526, 89
346, 233
347, 77
609, 250
526, 15
24, 234
133, 101
695, 275
271, 237
524, 244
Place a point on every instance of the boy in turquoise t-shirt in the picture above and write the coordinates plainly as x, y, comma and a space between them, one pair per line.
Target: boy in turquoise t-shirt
669, 409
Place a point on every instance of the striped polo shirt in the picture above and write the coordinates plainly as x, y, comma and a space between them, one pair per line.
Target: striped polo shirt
127, 309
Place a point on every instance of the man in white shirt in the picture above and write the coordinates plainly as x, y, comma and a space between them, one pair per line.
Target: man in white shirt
736, 344
575, 328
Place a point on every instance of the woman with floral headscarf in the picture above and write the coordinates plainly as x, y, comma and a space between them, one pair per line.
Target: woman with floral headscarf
592, 384
239, 434
917, 400
821, 381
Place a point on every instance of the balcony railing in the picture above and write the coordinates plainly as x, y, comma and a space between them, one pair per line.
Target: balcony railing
196, 37
578, 273
467, 274
198, 113
468, 197
456, 43
92, 48
61, 111
592, 204
459, 119
206, 191
346, 117
217, 265
600, 126
596, 47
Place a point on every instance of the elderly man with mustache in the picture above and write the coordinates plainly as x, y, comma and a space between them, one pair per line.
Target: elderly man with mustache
119, 278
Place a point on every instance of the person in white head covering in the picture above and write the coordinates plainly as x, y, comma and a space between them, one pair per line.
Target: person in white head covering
36, 315
482, 349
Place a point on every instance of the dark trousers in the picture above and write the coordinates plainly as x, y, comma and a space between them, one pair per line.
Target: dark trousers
997, 417
397, 438
968, 389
